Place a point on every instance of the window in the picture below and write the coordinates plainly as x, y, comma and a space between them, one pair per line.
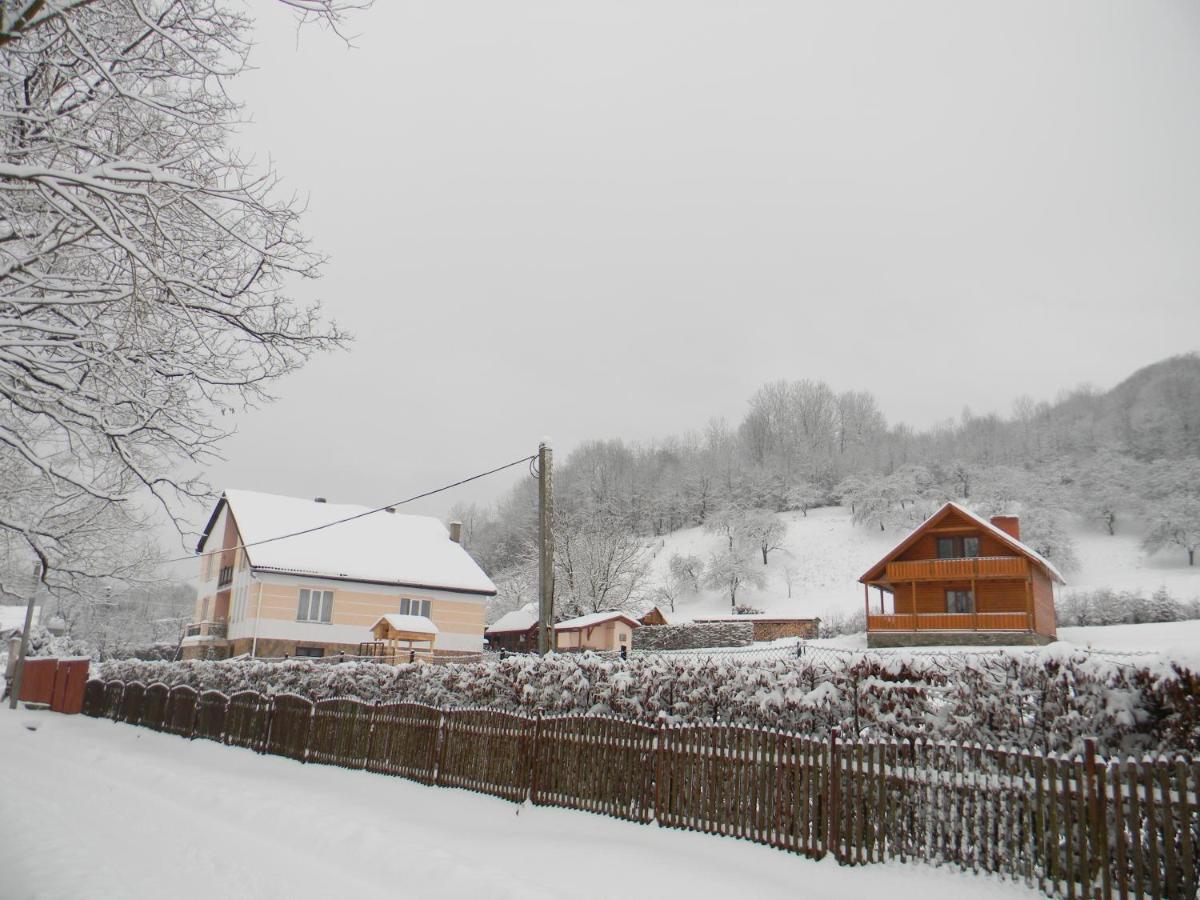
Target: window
957, 547
415, 607
959, 602
315, 606
311, 651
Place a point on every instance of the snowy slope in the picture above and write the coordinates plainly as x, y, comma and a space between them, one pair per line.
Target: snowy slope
828, 553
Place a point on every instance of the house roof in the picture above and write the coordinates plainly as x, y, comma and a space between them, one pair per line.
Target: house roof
515, 621
415, 624
382, 548
1003, 536
593, 619
13, 617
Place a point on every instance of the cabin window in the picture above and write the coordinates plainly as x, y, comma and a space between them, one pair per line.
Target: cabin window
960, 602
970, 546
957, 547
946, 549
415, 607
313, 652
315, 606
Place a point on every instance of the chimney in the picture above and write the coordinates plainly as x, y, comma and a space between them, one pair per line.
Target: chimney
1010, 525
318, 499
456, 532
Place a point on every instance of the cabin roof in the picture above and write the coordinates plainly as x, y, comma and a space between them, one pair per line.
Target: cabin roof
1003, 536
593, 619
516, 621
378, 547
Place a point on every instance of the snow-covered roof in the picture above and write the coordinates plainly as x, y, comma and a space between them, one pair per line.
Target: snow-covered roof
592, 619
416, 624
517, 620
13, 617
386, 548
999, 533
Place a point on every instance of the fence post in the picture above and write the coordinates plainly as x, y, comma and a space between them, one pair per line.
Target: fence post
441, 748
660, 752
535, 764
266, 738
1097, 815
834, 796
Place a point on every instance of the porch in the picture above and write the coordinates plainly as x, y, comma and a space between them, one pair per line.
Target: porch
945, 621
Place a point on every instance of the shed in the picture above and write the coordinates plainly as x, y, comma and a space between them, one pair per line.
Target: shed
595, 631
397, 635
515, 631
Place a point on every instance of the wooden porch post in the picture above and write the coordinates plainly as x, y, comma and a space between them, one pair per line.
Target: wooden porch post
974, 607
915, 615
867, 604
1029, 602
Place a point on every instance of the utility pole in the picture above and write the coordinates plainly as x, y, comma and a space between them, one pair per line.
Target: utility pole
20, 670
545, 550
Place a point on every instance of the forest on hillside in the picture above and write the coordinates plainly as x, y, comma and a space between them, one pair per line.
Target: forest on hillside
1125, 458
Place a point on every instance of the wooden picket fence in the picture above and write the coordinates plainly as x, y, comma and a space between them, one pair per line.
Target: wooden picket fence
1075, 827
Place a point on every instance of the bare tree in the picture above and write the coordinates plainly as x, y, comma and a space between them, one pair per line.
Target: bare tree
764, 530
599, 565
143, 263
730, 570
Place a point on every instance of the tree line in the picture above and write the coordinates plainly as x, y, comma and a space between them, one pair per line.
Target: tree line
1124, 459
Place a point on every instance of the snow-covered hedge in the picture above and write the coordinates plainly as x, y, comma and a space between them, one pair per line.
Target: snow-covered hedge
1048, 699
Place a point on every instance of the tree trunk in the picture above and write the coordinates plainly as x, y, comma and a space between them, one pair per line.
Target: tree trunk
764, 550
1191, 556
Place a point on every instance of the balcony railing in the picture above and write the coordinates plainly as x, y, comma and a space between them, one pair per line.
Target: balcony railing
984, 621
960, 569
209, 630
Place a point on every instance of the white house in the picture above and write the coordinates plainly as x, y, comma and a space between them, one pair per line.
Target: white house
320, 592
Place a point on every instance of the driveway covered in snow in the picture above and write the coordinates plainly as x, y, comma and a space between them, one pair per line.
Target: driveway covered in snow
94, 809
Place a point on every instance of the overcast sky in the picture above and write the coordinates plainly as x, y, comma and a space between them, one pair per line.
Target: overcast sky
617, 219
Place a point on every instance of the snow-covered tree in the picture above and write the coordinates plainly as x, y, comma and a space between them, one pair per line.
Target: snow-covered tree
763, 530
143, 263
803, 495
1174, 522
687, 569
730, 570
599, 566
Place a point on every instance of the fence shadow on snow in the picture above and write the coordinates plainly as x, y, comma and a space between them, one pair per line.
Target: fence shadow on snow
1071, 827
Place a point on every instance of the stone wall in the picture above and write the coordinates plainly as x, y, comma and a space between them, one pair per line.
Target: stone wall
693, 636
955, 639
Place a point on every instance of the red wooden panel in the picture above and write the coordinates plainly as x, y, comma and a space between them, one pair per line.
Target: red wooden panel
69, 684
37, 680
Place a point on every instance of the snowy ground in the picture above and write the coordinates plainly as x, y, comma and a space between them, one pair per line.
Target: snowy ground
102, 810
827, 553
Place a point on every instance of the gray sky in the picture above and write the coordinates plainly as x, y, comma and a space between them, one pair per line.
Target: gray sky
617, 219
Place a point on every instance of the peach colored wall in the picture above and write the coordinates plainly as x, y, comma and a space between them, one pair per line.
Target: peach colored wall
602, 637
281, 601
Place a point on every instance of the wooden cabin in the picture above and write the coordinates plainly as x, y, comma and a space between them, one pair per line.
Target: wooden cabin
654, 617
961, 579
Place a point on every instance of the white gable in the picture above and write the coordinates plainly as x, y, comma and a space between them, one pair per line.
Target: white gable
389, 548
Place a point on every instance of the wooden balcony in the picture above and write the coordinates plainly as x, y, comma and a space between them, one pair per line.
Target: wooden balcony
984, 621
962, 569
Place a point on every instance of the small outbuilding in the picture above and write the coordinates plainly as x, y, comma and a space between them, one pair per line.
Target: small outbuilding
595, 631
399, 637
515, 632
770, 628
655, 616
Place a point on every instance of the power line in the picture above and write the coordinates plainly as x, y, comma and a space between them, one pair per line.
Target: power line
369, 512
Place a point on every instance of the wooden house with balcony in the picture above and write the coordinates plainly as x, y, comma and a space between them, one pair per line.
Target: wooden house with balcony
961, 579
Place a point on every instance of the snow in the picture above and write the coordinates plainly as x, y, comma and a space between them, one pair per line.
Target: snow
592, 619
517, 620
116, 811
1176, 640
417, 624
827, 553
13, 617
383, 547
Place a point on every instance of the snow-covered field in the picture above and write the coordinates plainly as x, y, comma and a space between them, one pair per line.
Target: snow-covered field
827, 553
98, 810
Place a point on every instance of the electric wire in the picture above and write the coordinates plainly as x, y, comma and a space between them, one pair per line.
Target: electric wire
365, 513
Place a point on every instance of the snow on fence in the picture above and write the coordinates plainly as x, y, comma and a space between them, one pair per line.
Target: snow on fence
1071, 826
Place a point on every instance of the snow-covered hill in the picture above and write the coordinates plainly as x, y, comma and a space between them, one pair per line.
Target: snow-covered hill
826, 553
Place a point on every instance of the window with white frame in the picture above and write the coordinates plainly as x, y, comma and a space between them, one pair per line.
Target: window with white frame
415, 607
315, 606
